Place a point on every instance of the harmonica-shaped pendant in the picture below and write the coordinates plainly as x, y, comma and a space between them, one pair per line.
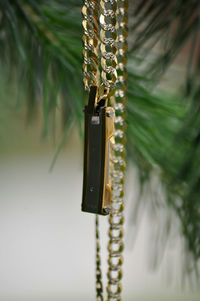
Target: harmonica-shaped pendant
99, 128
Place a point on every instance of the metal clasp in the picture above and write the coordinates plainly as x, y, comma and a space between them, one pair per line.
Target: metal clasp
99, 128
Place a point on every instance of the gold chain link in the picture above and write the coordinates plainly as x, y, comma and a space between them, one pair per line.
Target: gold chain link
105, 57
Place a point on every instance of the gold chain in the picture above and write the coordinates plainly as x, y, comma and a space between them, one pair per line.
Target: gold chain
90, 43
99, 285
108, 35
105, 58
116, 218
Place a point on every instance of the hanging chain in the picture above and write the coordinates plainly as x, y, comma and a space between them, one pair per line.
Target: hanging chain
99, 285
105, 58
116, 218
90, 43
108, 35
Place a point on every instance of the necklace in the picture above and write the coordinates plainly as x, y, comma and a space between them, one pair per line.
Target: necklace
104, 76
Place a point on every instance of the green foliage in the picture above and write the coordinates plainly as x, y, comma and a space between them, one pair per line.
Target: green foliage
40, 47
173, 26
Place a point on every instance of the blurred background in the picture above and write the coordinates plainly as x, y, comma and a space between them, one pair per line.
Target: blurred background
47, 247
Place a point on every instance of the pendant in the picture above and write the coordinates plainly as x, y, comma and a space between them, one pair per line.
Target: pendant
99, 129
